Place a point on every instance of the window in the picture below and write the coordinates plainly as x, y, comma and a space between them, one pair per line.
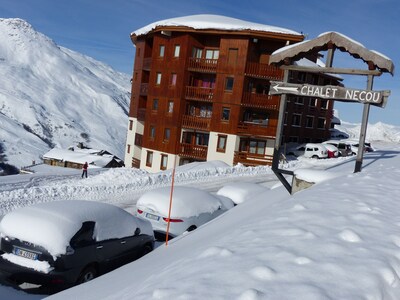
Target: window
84, 236
296, 119
312, 102
201, 139
226, 112
321, 123
162, 51
177, 50
212, 54
257, 147
129, 149
233, 56
149, 158
152, 132
158, 78
299, 100
228, 83
167, 134
309, 121
221, 143
173, 79
170, 107
164, 162
130, 124
197, 52
257, 117
324, 103
155, 104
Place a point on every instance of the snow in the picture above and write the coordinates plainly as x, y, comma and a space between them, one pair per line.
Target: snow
53, 224
240, 191
338, 239
187, 201
40, 266
212, 22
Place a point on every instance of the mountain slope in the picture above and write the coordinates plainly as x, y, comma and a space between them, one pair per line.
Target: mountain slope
51, 96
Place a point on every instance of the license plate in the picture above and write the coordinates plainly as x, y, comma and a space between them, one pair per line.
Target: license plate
26, 254
153, 217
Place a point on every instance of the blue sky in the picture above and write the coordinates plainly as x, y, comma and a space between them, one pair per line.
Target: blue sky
101, 29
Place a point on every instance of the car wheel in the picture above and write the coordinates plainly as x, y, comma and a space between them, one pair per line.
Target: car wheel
315, 156
191, 228
88, 274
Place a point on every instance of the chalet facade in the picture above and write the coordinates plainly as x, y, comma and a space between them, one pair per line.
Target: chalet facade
200, 92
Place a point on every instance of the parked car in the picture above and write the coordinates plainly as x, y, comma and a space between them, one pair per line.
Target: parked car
354, 146
309, 150
190, 209
63, 243
333, 151
343, 147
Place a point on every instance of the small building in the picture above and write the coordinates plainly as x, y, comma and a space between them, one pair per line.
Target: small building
75, 157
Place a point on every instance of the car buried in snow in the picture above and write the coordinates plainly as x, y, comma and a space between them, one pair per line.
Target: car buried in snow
59, 244
190, 209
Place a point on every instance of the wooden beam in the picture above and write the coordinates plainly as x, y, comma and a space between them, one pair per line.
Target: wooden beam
332, 70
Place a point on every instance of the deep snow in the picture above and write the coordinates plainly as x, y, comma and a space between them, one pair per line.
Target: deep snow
336, 240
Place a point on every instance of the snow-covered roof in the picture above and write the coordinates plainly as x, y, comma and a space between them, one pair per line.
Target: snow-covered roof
213, 22
53, 224
80, 156
341, 42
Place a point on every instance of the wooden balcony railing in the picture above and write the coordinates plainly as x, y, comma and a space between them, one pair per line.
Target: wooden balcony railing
263, 71
195, 122
147, 64
193, 151
203, 65
260, 101
144, 89
251, 159
199, 93
135, 163
256, 129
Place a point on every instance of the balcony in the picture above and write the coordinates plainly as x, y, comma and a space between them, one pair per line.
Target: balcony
144, 89
263, 71
199, 93
203, 65
141, 116
194, 122
251, 159
193, 151
260, 101
256, 129
147, 64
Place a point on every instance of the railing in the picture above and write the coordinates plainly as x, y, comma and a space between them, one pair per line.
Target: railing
248, 128
144, 89
203, 65
141, 116
193, 151
260, 100
135, 163
251, 159
195, 122
147, 64
199, 93
263, 71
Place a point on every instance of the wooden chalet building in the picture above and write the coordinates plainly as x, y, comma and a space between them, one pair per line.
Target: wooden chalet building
200, 92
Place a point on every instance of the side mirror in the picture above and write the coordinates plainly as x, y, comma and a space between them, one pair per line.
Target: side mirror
137, 231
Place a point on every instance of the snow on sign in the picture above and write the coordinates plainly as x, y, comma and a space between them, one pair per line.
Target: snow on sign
378, 98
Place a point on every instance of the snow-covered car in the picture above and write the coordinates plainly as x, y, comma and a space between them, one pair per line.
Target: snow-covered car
343, 147
354, 146
309, 150
190, 209
63, 243
333, 151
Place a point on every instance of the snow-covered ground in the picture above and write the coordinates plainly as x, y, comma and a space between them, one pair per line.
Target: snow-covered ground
338, 239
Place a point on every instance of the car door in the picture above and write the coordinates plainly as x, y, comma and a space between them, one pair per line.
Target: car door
131, 247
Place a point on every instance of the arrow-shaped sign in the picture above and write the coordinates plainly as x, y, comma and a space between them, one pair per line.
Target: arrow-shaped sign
281, 89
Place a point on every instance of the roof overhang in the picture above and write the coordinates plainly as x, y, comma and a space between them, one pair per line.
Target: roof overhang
332, 40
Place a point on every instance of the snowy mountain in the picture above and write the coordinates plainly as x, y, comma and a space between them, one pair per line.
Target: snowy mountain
51, 96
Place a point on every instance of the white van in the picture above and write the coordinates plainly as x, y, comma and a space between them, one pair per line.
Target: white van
309, 150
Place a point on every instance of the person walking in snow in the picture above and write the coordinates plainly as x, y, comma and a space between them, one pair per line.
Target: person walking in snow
84, 169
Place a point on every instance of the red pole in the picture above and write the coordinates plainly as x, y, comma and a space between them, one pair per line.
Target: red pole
170, 201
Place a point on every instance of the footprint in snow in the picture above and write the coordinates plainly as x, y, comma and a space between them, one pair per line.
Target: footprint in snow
350, 236
262, 273
251, 294
216, 251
